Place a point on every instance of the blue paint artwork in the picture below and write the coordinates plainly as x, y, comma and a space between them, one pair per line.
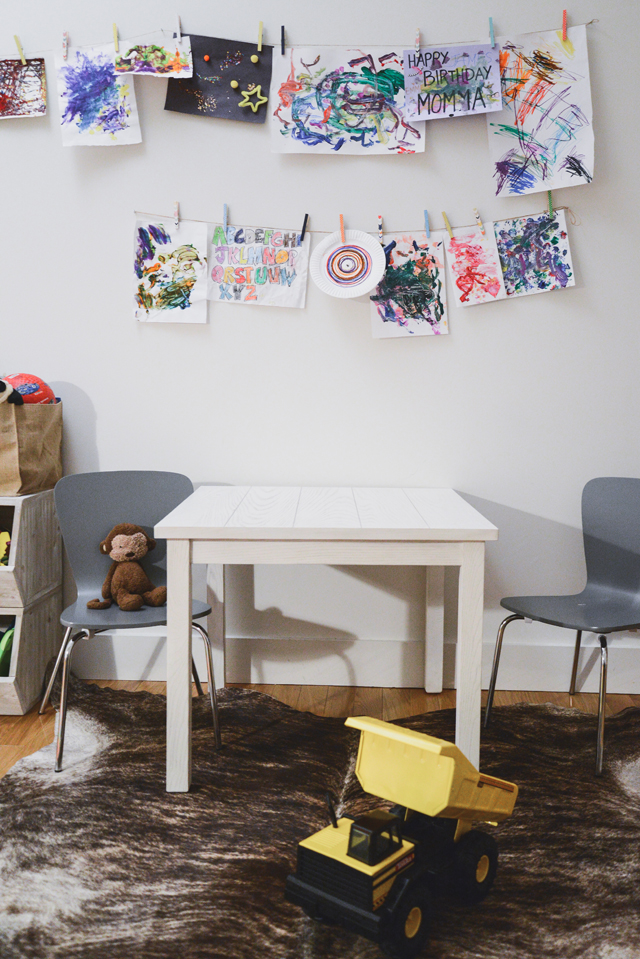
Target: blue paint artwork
534, 253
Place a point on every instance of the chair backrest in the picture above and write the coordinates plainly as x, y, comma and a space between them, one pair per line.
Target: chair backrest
89, 505
611, 529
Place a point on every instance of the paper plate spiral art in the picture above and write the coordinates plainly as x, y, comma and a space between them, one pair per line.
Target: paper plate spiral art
347, 269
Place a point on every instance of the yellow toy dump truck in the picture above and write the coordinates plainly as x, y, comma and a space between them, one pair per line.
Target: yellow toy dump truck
378, 873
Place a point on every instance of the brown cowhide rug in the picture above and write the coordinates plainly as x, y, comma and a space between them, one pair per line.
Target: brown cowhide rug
98, 862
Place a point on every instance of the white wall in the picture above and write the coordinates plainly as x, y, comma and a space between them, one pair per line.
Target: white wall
520, 406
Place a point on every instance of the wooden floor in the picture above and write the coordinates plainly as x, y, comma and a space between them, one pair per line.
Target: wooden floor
22, 735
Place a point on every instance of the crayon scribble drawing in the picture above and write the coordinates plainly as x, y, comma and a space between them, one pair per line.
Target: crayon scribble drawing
339, 100
155, 56
97, 107
543, 138
23, 88
534, 252
452, 81
170, 272
411, 298
475, 267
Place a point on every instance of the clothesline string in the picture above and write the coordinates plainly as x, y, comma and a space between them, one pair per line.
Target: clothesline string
407, 45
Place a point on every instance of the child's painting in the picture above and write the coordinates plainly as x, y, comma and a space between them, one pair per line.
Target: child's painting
170, 272
475, 267
23, 88
543, 138
155, 56
216, 65
534, 253
452, 81
411, 298
258, 266
97, 107
341, 100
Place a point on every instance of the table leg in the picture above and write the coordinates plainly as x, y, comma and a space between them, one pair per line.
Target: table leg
434, 639
469, 650
178, 665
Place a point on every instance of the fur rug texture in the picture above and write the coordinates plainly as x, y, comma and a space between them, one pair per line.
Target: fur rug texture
98, 862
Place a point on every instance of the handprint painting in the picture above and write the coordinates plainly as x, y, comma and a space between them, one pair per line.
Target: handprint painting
170, 272
339, 100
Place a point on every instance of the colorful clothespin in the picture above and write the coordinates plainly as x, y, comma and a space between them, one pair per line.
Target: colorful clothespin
418, 40
564, 24
260, 37
282, 40
380, 227
550, 203
479, 221
447, 224
178, 33
116, 42
491, 34
427, 229
176, 214
19, 46
65, 44
225, 217
342, 228
304, 226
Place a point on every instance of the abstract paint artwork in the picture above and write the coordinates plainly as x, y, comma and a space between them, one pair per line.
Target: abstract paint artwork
340, 100
534, 253
476, 273
543, 137
452, 81
258, 266
411, 298
156, 56
23, 88
347, 265
97, 107
216, 64
170, 272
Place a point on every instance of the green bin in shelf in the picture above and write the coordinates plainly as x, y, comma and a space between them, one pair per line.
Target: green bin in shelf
6, 644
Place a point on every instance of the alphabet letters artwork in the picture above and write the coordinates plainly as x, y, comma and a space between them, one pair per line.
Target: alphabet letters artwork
258, 266
452, 81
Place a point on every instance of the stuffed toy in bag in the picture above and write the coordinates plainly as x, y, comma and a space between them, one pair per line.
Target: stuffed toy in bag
127, 584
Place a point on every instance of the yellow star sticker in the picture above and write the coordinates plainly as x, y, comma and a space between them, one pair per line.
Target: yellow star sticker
246, 102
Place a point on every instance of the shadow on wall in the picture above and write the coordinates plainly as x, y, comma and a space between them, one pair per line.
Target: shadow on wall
79, 443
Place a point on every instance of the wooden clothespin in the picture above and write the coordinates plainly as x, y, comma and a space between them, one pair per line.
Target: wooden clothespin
282, 39
380, 227
304, 226
479, 221
19, 46
342, 229
418, 40
260, 37
564, 24
65, 45
176, 214
178, 33
225, 217
447, 224
427, 229
116, 42
491, 33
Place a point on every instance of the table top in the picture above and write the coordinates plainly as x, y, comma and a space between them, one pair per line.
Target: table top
325, 513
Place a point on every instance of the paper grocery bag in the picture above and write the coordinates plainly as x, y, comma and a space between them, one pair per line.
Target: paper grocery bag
30, 447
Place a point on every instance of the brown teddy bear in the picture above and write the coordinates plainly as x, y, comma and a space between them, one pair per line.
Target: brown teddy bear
127, 583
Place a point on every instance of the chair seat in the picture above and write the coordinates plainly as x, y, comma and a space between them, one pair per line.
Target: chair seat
77, 615
595, 610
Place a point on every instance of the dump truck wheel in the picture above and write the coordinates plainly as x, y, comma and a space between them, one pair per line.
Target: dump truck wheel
476, 861
410, 926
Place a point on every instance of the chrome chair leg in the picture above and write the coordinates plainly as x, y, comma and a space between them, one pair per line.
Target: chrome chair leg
45, 700
496, 663
66, 669
601, 704
196, 678
213, 696
576, 660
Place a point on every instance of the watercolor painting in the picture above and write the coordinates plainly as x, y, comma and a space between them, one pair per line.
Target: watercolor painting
97, 107
258, 266
543, 138
154, 56
216, 64
534, 253
411, 298
474, 264
170, 272
23, 88
341, 100
452, 81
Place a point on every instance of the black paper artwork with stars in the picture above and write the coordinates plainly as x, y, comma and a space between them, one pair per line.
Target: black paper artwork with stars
216, 63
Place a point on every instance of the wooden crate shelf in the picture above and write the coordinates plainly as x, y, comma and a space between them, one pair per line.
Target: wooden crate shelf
35, 556
37, 638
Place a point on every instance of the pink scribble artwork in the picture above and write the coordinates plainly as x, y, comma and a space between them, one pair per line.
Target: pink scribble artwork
475, 266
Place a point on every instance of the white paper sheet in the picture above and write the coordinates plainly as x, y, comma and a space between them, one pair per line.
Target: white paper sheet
452, 81
155, 55
411, 299
474, 266
535, 254
170, 271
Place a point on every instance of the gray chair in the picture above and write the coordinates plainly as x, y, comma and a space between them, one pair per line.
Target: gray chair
89, 505
610, 601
